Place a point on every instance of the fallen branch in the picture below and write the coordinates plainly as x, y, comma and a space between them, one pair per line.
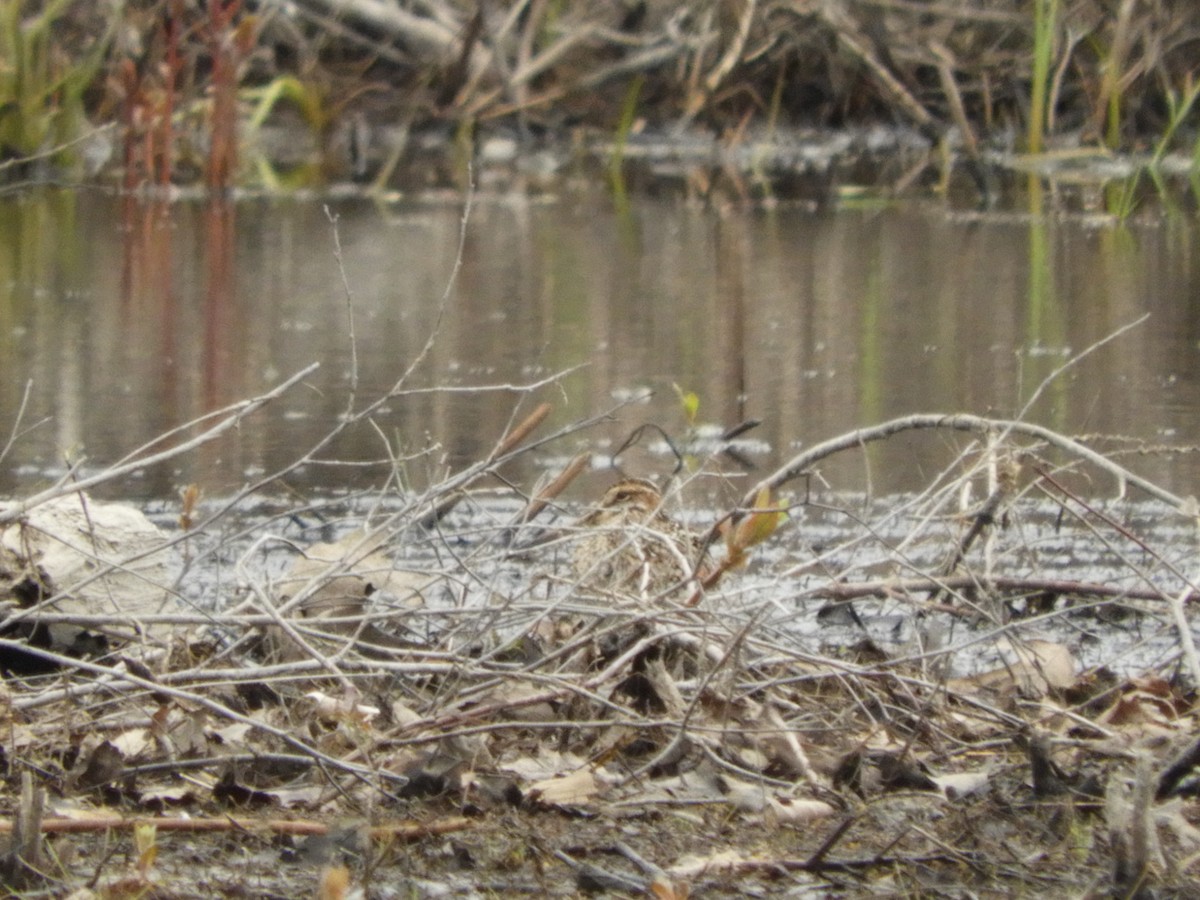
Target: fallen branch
1005, 584
803, 463
405, 831
133, 462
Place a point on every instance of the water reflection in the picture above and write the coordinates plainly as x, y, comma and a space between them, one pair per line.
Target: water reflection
128, 319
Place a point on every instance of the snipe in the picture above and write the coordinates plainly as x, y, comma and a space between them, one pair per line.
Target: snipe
629, 547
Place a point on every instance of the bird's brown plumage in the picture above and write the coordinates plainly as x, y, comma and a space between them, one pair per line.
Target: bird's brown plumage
628, 546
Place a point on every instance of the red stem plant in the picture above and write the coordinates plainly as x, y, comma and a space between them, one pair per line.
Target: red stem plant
148, 108
171, 71
228, 47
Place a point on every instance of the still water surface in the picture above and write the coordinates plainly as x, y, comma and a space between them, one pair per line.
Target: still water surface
119, 321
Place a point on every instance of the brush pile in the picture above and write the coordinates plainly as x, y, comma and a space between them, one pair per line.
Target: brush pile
363, 90
988, 685
736, 61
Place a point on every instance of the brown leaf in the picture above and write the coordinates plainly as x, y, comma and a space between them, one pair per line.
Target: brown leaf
663, 889
335, 883
568, 790
790, 811
1037, 667
756, 526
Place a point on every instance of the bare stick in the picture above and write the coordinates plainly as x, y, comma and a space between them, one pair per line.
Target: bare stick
839, 590
405, 831
1183, 627
964, 422
349, 294
15, 432
801, 463
507, 445
431, 41
241, 410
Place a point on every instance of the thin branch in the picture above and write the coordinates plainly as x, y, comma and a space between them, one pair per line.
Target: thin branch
13, 511
803, 462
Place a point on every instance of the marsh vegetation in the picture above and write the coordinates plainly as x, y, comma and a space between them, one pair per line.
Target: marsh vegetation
883, 651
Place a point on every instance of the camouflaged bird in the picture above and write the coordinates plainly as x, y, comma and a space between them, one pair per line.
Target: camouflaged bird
630, 548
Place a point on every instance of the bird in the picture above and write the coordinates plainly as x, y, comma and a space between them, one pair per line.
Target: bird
628, 547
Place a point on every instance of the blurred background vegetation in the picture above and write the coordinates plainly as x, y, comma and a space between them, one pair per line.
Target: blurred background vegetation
175, 91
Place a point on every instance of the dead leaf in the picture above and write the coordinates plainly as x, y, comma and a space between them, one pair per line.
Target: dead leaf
167, 795
789, 811
568, 790
759, 524
691, 867
1034, 668
305, 797
663, 889
403, 715
547, 764
514, 695
132, 743
342, 709
665, 689
746, 797
357, 556
233, 735
1146, 701
961, 784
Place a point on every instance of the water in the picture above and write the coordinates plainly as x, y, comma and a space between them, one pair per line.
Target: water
1022, 577
125, 320
120, 321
